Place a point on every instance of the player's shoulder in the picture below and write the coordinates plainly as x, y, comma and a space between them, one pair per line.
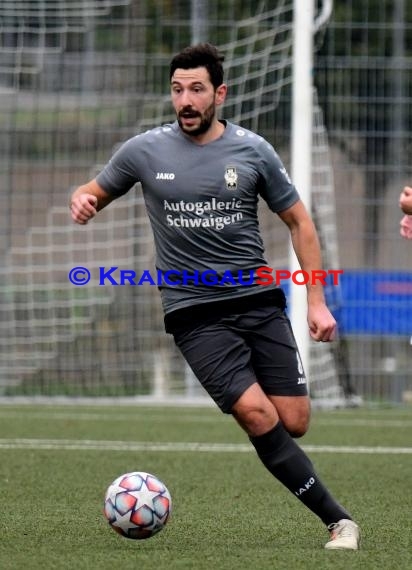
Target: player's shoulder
150, 138
157, 134
248, 138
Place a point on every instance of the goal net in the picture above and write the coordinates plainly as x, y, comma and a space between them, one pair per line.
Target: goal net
330, 377
77, 79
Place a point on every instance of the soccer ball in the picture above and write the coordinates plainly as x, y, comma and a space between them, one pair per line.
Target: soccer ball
137, 505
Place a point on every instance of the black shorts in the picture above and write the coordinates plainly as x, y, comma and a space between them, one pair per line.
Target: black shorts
230, 345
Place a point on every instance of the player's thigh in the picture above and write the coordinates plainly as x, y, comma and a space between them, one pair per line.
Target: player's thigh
278, 367
275, 356
220, 359
294, 412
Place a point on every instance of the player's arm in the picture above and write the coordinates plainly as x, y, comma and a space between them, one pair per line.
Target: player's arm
406, 226
405, 200
305, 242
87, 200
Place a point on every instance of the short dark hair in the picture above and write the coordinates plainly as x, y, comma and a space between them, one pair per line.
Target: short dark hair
200, 55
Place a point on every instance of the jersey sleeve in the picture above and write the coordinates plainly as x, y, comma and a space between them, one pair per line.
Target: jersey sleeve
122, 170
275, 186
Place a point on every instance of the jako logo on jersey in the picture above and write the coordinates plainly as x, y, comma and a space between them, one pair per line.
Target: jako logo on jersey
231, 177
165, 175
307, 486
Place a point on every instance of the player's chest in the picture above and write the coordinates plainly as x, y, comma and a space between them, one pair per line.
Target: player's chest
194, 176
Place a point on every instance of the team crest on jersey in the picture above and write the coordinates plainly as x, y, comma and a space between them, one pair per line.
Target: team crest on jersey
231, 177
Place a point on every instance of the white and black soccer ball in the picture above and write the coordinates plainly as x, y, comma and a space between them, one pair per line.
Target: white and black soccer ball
137, 505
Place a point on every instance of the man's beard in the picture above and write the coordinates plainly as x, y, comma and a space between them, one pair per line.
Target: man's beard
205, 120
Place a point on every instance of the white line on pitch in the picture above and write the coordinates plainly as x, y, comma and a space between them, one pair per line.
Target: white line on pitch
74, 444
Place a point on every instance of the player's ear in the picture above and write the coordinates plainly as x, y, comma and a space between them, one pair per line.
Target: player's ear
220, 94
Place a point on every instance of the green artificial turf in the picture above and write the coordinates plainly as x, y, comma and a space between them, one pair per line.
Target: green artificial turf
228, 512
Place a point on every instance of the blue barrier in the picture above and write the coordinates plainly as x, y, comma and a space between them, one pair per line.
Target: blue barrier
377, 303
372, 302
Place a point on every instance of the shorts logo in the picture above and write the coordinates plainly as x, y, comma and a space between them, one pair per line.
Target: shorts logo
301, 378
231, 177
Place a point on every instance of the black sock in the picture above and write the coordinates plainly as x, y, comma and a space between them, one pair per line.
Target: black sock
281, 455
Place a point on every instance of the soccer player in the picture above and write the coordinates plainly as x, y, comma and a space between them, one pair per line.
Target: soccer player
405, 203
201, 179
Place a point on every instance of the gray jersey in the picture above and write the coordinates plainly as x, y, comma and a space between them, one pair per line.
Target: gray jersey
202, 203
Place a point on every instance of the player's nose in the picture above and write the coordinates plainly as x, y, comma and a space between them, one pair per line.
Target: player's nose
185, 99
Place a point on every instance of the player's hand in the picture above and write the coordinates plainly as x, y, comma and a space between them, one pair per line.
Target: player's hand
406, 227
83, 208
322, 325
405, 200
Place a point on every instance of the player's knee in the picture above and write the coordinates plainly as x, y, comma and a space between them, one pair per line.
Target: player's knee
297, 433
297, 427
255, 420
